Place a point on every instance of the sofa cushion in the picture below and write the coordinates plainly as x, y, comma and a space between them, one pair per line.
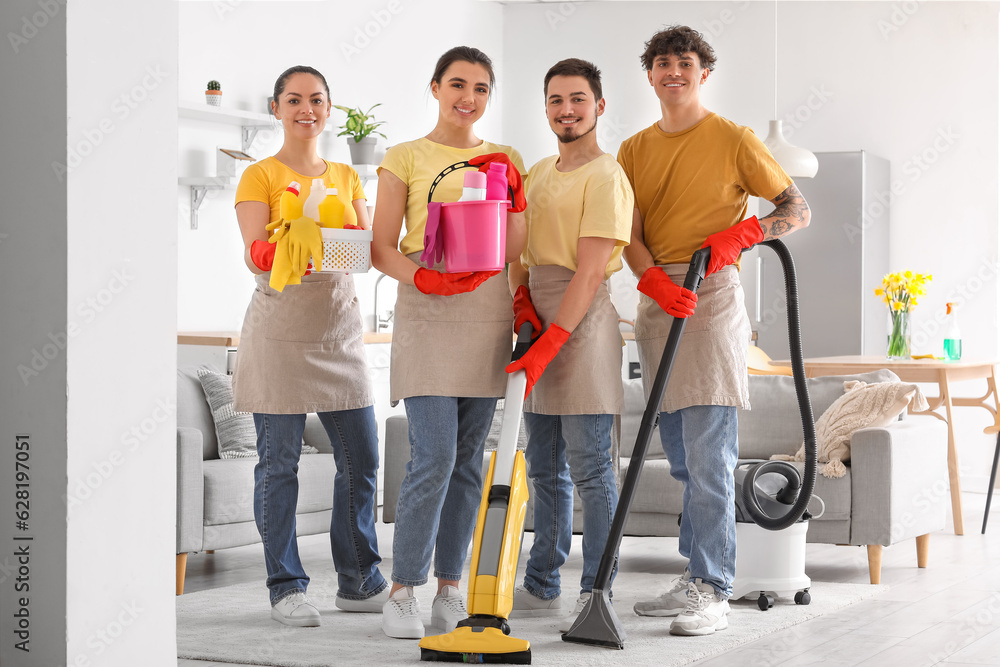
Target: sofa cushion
235, 431
193, 411
657, 490
773, 425
229, 488
631, 418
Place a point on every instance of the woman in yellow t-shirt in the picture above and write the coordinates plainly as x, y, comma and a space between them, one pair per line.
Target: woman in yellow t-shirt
449, 348
301, 351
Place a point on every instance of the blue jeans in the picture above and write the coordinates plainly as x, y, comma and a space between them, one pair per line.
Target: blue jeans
440, 495
354, 436
563, 451
701, 445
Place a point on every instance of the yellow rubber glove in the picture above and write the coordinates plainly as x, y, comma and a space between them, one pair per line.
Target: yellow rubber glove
281, 270
304, 241
277, 229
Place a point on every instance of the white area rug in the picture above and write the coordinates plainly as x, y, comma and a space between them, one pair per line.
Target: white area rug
233, 624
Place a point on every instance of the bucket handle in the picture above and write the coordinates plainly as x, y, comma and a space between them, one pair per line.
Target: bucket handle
433, 238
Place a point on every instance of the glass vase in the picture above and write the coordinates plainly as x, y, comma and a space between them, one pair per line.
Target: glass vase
899, 335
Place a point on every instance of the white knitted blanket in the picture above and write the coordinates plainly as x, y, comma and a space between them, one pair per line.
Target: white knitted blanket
863, 405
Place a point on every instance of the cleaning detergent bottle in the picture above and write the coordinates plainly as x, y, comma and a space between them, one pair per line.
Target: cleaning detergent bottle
331, 210
496, 182
952, 336
317, 193
289, 206
474, 186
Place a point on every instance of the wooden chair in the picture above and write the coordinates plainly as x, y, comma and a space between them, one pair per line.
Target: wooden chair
758, 363
993, 474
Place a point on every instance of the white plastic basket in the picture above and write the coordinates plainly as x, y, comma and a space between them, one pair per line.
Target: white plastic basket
346, 250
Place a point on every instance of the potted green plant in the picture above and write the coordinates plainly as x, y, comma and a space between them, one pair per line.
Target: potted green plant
213, 93
359, 126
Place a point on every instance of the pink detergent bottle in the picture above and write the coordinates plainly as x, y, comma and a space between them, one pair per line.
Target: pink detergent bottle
496, 182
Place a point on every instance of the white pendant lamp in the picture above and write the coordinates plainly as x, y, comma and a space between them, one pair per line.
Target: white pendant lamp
797, 162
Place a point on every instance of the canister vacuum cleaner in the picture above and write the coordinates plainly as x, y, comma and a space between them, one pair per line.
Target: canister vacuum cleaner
760, 535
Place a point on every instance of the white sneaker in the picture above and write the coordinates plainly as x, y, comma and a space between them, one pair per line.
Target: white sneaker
526, 605
705, 612
670, 603
373, 604
448, 609
296, 610
569, 620
401, 615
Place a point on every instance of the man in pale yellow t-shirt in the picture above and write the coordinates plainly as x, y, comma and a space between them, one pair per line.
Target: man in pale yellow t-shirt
692, 172
579, 218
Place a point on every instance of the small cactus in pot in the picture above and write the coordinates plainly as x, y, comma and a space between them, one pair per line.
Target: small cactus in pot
213, 93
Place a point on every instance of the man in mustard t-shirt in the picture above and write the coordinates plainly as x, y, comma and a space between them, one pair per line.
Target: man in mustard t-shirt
579, 217
692, 172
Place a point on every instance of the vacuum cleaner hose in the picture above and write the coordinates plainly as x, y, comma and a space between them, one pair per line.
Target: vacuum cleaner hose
750, 500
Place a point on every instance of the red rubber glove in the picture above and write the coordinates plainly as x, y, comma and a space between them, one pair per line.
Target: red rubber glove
524, 311
349, 226
729, 243
672, 298
513, 177
538, 356
262, 254
430, 281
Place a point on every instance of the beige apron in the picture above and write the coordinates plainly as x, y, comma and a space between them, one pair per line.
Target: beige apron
302, 350
585, 378
711, 363
451, 345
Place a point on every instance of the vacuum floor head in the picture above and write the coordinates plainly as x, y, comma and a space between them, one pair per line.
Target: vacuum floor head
597, 625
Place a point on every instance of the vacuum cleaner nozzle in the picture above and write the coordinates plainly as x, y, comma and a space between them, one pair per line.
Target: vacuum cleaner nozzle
479, 645
597, 625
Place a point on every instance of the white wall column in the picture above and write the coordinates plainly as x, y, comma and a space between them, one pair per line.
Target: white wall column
87, 381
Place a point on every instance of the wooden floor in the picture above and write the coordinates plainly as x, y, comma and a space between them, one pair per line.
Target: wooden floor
948, 613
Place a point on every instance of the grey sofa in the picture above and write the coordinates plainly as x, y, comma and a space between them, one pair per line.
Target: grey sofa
895, 488
215, 496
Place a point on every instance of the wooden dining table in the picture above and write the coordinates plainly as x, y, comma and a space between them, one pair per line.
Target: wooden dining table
944, 373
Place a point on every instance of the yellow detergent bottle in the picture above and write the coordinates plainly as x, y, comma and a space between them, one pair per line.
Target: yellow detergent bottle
331, 210
289, 206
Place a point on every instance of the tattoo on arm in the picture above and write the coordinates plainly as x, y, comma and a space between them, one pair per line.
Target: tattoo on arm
791, 212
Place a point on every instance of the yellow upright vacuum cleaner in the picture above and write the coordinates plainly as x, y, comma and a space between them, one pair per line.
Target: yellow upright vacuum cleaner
484, 636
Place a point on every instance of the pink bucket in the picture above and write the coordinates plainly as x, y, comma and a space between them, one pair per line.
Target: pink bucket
475, 235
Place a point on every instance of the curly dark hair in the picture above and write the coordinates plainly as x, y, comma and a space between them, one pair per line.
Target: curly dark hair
678, 40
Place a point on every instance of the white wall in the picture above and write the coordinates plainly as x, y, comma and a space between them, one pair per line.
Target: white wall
121, 293
89, 261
